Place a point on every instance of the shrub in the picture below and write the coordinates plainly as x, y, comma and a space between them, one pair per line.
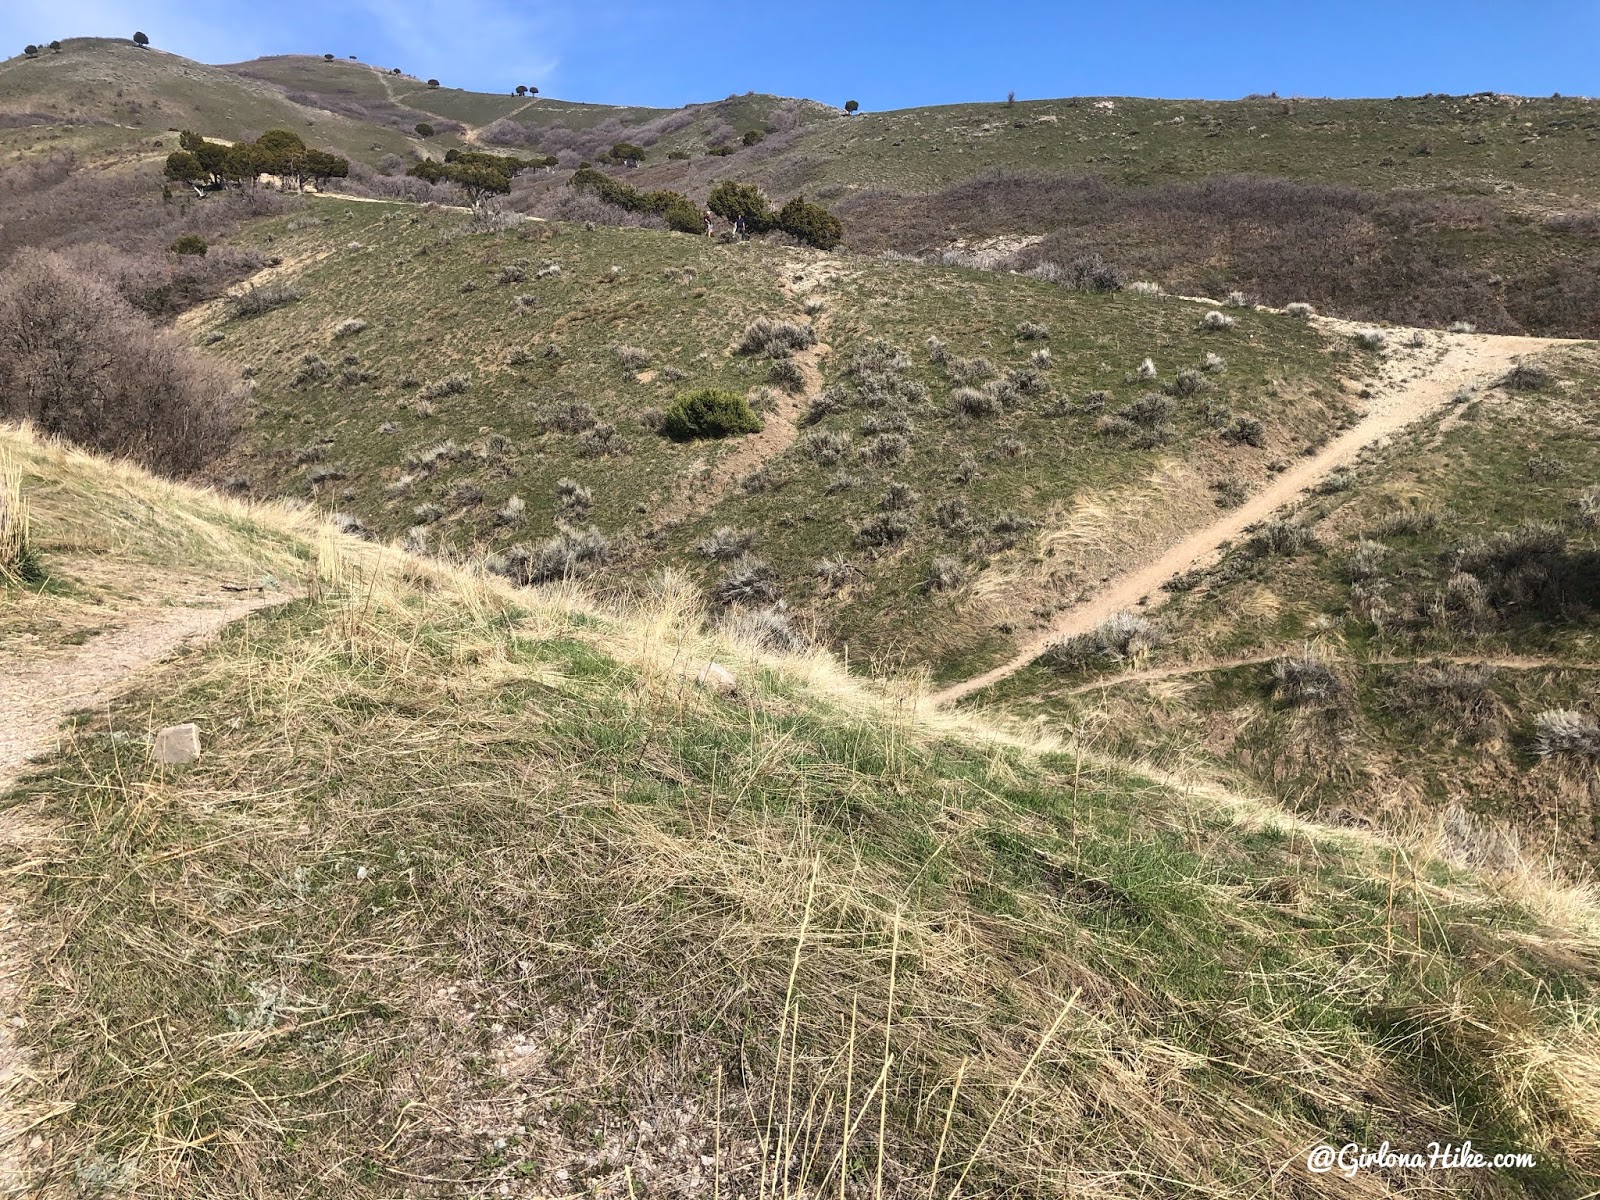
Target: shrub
1214, 364
1371, 339
570, 416
1237, 300
1366, 562
263, 298
771, 628
1029, 331
709, 413
732, 200
976, 402
573, 500
1123, 636
886, 450
1217, 322
834, 572
725, 543
970, 370
1279, 537
1041, 357
631, 358
883, 529
1408, 522
190, 243
953, 516
1588, 506
348, 328
450, 385
945, 574
786, 374
748, 581
1299, 310
602, 441
1456, 694
513, 512
938, 352
1245, 431
1149, 411
1190, 382
1565, 733
900, 497
1463, 327
511, 273
79, 362
1144, 287
1303, 679
424, 129
1146, 369
827, 446
1526, 377
775, 338
810, 223
569, 555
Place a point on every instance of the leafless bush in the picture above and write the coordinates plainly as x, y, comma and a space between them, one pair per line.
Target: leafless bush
1459, 696
256, 299
602, 441
776, 338
631, 358
1304, 679
573, 500
1566, 733
771, 628
976, 402
80, 362
827, 446
348, 328
945, 574
1123, 636
884, 529
725, 542
571, 554
886, 450
450, 385
748, 581
566, 416
969, 370
1279, 537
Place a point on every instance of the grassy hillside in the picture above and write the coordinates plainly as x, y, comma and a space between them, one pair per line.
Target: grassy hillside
1448, 588
477, 890
994, 461
101, 95
1540, 149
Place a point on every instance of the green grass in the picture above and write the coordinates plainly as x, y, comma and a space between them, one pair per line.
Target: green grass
685, 302
133, 97
437, 822
1502, 460
1371, 143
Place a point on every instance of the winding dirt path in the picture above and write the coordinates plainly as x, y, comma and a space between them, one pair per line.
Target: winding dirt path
1403, 397
35, 694
780, 426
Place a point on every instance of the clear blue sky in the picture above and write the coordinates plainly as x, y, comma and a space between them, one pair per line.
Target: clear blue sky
887, 55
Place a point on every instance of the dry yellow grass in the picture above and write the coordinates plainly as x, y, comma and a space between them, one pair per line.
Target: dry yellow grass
475, 890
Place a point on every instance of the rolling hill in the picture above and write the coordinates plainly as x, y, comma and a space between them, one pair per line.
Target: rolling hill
476, 888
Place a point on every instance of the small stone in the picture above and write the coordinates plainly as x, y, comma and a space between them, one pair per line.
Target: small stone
177, 744
35, 1142
719, 679
361, 872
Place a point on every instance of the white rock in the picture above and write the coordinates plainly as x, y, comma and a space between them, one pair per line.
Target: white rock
177, 744
361, 872
719, 679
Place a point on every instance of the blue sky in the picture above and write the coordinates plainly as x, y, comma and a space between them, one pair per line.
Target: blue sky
887, 55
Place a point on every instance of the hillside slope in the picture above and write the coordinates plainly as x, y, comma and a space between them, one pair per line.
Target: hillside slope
106, 95
476, 889
947, 427
1440, 595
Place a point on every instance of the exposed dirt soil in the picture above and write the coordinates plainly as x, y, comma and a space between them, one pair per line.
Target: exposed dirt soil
1407, 391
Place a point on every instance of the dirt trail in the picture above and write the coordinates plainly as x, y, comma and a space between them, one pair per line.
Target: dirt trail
779, 427
1510, 662
1403, 395
37, 692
